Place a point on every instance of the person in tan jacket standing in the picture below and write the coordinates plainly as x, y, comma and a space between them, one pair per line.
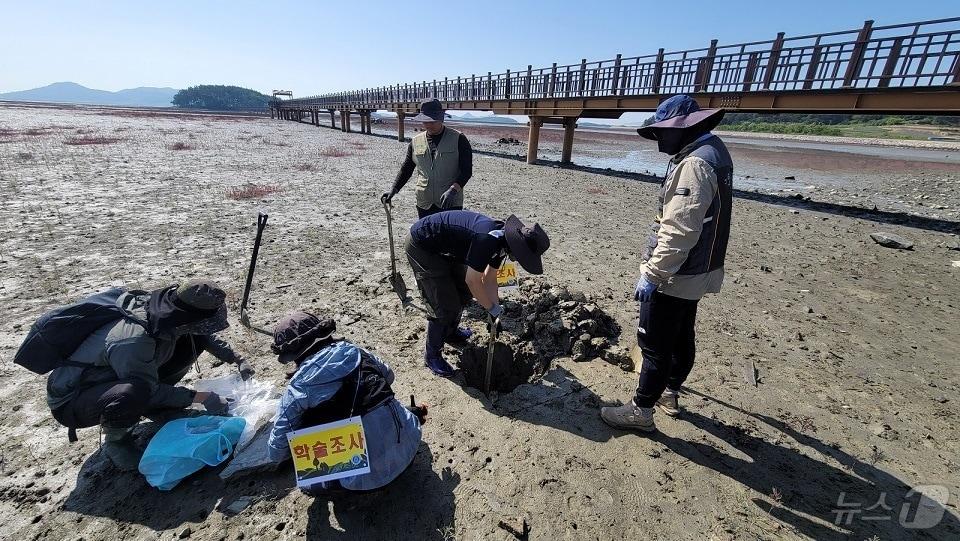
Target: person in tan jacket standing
684, 256
443, 160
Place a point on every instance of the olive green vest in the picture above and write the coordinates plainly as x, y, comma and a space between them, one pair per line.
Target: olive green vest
436, 173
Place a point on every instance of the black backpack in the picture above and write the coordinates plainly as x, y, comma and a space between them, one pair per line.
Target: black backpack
59, 332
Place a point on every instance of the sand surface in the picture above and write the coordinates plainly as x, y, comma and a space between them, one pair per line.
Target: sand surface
855, 345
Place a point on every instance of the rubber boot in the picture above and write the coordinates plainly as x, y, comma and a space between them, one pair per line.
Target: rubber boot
459, 335
433, 357
120, 447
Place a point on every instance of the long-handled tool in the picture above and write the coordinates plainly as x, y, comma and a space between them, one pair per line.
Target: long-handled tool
244, 316
396, 281
494, 325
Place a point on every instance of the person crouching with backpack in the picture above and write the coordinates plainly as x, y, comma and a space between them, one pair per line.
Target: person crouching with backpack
130, 367
335, 380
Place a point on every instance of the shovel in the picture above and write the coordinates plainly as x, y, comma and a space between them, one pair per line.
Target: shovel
396, 281
494, 325
244, 316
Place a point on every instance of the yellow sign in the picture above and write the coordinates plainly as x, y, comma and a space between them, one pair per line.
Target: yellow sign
330, 451
507, 277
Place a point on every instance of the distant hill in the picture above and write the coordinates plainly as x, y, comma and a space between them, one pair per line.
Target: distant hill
492, 119
67, 92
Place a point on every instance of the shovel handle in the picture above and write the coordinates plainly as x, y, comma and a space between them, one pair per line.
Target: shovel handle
493, 323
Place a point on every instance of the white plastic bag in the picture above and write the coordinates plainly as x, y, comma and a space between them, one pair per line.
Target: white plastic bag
253, 400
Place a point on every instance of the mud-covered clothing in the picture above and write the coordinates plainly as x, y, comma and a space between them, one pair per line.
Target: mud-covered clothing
687, 248
463, 236
122, 351
440, 161
666, 336
392, 432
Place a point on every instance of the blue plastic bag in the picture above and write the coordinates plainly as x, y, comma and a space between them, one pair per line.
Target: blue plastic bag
183, 446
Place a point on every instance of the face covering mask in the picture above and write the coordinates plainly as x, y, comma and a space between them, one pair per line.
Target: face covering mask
670, 141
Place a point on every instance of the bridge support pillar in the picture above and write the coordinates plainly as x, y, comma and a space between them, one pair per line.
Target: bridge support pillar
569, 125
333, 121
400, 117
364, 122
534, 141
271, 113
347, 123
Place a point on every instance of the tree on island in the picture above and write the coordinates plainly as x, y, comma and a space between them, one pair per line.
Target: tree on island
221, 98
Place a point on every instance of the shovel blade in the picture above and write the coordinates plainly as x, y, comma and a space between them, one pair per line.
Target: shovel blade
399, 287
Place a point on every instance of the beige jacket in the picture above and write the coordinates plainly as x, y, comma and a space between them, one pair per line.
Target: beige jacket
690, 188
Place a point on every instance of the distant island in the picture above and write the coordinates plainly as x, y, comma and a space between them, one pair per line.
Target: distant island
209, 97
221, 98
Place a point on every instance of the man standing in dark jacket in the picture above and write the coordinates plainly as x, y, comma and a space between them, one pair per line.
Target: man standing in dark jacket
443, 160
684, 256
125, 369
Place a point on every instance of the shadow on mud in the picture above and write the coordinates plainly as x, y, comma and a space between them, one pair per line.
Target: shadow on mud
809, 488
419, 504
792, 201
557, 400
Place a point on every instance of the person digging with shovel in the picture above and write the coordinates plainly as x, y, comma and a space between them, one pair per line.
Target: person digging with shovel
455, 256
684, 256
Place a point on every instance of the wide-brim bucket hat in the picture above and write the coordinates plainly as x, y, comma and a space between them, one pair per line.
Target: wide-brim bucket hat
681, 112
299, 331
527, 244
430, 111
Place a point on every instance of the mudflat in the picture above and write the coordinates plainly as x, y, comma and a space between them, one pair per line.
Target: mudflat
854, 345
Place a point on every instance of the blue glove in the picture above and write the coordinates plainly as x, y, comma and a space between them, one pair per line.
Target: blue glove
496, 311
446, 199
644, 290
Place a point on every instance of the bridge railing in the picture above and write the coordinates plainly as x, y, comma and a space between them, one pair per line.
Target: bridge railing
917, 54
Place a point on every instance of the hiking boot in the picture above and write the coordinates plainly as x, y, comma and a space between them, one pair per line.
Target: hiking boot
438, 365
669, 403
120, 447
629, 417
458, 336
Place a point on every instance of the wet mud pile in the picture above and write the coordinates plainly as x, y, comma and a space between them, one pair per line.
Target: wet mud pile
542, 322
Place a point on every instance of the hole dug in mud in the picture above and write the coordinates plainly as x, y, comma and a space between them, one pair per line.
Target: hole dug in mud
540, 323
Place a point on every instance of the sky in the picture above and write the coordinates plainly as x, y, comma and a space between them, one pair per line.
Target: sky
317, 47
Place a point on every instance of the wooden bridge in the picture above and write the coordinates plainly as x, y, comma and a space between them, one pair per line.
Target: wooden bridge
911, 68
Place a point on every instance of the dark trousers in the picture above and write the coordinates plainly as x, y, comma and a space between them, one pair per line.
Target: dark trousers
443, 287
423, 213
121, 403
116, 404
665, 334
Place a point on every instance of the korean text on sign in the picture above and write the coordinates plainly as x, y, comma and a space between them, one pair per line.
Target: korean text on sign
507, 276
329, 451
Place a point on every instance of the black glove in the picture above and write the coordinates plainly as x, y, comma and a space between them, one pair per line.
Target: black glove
446, 199
387, 196
215, 404
246, 371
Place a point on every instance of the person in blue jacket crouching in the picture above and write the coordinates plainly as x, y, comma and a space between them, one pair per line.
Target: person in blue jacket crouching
335, 379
